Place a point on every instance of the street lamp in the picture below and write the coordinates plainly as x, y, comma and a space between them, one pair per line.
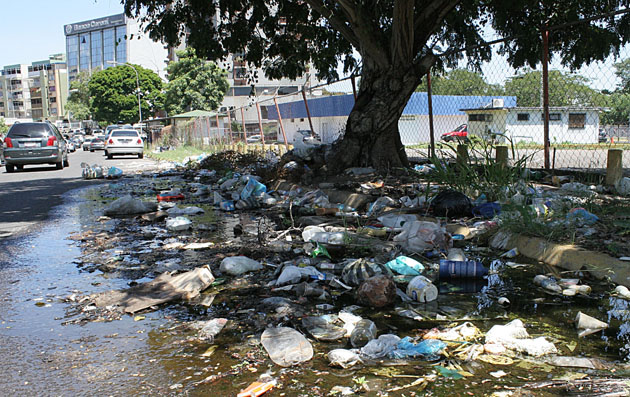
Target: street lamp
137, 84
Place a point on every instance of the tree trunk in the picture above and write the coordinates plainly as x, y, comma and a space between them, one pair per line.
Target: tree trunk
372, 138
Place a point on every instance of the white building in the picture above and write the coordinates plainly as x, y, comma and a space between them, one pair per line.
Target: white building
101, 43
526, 124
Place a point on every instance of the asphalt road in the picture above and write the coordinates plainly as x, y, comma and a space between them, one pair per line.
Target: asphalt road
27, 196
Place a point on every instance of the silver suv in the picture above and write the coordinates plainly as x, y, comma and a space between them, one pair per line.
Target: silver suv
34, 143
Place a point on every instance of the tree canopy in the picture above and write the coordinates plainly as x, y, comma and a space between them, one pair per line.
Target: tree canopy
194, 84
397, 41
114, 94
3, 126
79, 99
460, 82
565, 89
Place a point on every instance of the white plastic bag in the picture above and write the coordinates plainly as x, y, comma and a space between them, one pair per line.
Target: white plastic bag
127, 205
178, 224
419, 236
286, 346
397, 220
237, 265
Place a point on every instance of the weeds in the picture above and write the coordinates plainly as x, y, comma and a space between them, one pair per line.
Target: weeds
480, 174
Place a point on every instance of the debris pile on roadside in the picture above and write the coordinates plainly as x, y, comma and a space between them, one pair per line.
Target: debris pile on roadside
334, 268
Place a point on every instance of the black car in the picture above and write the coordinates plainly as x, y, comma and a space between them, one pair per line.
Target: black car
602, 137
34, 143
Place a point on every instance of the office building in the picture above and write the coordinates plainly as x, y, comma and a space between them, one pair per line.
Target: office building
103, 42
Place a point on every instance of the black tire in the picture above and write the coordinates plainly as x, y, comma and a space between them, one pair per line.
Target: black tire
66, 163
92, 150
59, 165
140, 155
19, 167
10, 168
109, 155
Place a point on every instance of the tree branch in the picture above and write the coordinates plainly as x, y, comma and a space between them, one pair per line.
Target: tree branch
431, 17
336, 22
369, 33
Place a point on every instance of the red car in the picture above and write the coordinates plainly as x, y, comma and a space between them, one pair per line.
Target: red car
459, 133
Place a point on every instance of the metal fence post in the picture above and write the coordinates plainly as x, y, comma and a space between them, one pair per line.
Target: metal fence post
260, 126
284, 135
308, 112
244, 132
430, 103
545, 87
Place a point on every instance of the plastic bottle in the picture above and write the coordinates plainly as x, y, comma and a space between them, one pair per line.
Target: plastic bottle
364, 331
547, 283
461, 269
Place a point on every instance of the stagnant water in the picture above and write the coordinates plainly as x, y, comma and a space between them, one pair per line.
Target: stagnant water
155, 356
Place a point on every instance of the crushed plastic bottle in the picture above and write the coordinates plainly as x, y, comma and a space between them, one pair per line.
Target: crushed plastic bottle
364, 331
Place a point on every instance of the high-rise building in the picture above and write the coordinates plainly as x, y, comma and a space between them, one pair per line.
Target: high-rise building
15, 96
34, 92
104, 42
48, 86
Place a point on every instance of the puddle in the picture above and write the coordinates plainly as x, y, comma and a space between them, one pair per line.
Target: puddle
158, 355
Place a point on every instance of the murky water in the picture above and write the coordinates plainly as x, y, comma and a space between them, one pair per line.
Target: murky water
45, 353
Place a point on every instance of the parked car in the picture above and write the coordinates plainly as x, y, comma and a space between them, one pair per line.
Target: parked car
459, 133
86, 143
254, 139
127, 141
71, 145
98, 143
34, 143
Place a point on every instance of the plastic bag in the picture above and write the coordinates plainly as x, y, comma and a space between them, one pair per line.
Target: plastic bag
127, 205
429, 349
184, 211
237, 265
451, 204
380, 347
405, 266
343, 358
178, 224
380, 205
114, 173
91, 172
396, 221
286, 346
420, 236
321, 328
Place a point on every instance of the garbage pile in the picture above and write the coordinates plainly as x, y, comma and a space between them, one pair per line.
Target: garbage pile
320, 265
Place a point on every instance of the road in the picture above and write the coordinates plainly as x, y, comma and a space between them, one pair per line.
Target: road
27, 196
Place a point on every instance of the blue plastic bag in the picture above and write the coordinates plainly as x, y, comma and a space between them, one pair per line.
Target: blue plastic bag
487, 210
405, 266
429, 349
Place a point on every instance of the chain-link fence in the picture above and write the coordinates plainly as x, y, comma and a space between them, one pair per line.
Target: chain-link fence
588, 112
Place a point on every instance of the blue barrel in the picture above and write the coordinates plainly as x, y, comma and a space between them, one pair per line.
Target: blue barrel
461, 269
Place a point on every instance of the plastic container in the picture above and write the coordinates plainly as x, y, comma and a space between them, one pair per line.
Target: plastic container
461, 269
422, 290
227, 205
456, 254
169, 196
364, 331
253, 188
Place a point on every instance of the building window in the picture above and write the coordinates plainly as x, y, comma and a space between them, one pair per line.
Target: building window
522, 116
552, 117
480, 117
53, 99
84, 51
577, 120
121, 44
97, 49
36, 101
108, 47
72, 49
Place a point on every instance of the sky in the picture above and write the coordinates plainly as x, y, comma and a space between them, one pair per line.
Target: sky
31, 30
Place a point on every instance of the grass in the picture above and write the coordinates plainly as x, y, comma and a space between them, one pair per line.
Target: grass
178, 154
